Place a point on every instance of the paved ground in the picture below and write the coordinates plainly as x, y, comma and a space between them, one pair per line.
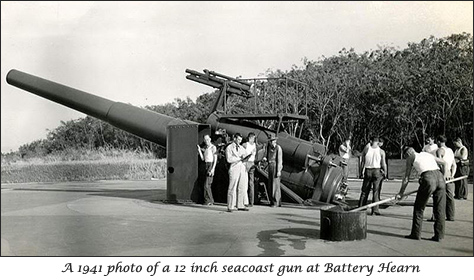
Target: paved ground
127, 218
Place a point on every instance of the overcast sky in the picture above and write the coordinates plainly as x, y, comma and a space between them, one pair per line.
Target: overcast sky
137, 52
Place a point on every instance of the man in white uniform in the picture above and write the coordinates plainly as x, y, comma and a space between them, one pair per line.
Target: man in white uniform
238, 180
431, 183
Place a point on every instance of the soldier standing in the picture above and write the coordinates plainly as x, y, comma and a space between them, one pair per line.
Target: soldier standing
238, 180
373, 169
251, 149
275, 166
447, 155
209, 155
460, 156
345, 153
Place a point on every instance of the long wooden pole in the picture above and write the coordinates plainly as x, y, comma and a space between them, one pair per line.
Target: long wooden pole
395, 197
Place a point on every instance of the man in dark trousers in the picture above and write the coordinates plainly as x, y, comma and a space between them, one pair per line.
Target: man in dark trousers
431, 183
447, 155
462, 163
374, 166
275, 166
208, 154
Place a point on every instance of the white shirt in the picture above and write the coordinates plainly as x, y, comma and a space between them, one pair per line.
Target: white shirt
344, 154
251, 149
209, 153
458, 154
373, 158
424, 162
448, 157
430, 149
234, 153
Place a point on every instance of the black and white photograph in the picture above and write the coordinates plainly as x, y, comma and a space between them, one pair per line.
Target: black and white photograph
236, 129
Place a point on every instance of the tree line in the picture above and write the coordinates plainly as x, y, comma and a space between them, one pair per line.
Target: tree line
401, 95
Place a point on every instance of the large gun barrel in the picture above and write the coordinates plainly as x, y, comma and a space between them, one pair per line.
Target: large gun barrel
320, 185
140, 122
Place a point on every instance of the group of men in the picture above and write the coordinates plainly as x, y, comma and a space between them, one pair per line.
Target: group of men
436, 165
241, 160
458, 163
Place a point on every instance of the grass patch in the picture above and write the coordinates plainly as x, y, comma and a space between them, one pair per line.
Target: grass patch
78, 165
84, 171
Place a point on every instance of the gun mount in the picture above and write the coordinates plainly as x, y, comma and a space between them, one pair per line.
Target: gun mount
308, 173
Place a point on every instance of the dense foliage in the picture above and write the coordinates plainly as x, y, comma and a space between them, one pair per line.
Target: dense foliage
401, 95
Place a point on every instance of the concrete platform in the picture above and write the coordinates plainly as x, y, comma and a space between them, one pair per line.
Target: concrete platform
128, 218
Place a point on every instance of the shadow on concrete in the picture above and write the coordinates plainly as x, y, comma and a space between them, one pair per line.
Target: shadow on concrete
145, 195
148, 195
272, 241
